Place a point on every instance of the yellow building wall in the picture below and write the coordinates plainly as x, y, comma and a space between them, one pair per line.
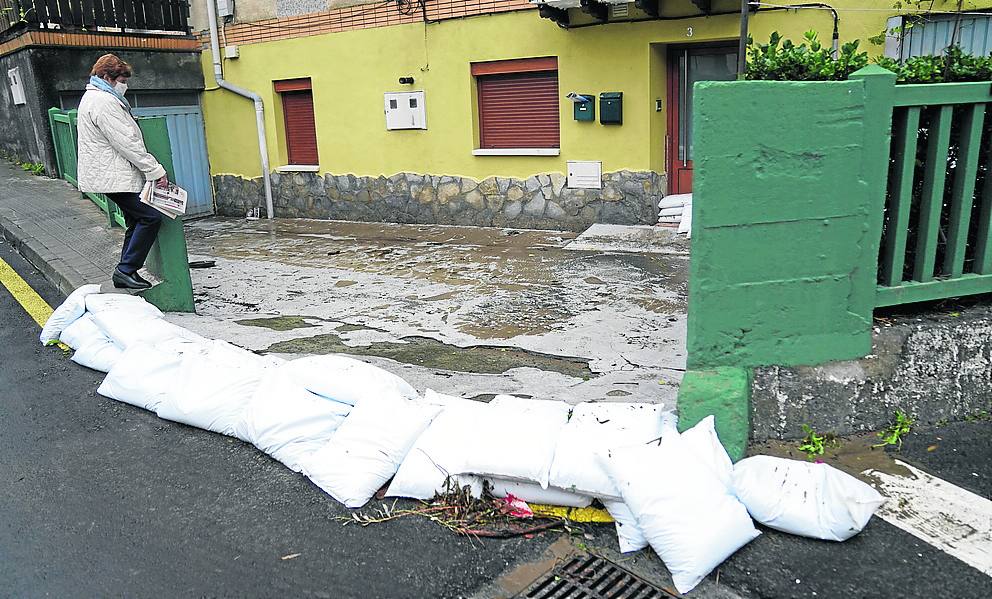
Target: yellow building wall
351, 70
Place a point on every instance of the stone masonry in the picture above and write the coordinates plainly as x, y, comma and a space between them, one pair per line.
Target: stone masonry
538, 202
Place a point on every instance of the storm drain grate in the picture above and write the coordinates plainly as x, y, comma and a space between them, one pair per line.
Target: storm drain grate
591, 577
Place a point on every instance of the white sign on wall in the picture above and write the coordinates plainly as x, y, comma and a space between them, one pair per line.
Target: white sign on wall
16, 85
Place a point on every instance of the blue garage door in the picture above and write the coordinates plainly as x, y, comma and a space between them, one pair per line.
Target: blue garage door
189, 153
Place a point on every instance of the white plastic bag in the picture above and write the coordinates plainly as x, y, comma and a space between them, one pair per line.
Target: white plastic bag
683, 509
368, 448
67, 312
209, 395
81, 331
517, 441
629, 534
98, 353
288, 422
347, 380
704, 444
440, 451
120, 302
597, 427
142, 376
800, 498
534, 493
127, 327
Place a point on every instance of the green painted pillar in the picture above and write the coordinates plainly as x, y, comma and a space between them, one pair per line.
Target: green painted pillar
724, 393
168, 259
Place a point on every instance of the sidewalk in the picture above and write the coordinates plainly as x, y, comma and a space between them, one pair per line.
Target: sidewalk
63, 234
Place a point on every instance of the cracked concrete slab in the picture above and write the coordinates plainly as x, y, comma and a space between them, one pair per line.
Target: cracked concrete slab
463, 310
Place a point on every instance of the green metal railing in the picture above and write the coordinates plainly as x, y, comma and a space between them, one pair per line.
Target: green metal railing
64, 138
938, 206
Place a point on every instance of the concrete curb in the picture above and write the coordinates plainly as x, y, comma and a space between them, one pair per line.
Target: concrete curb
50, 266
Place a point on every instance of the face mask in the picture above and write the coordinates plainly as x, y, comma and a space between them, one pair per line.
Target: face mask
121, 88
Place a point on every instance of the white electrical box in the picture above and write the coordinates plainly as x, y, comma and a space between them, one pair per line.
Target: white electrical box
225, 8
405, 110
16, 85
231, 52
585, 174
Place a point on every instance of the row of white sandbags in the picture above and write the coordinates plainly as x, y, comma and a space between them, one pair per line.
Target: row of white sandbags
350, 427
677, 209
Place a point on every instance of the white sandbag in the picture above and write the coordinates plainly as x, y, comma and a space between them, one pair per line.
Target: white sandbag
629, 534
81, 331
534, 493
120, 302
209, 395
705, 445
801, 498
347, 380
670, 201
126, 328
594, 428
676, 211
517, 440
288, 422
68, 311
228, 354
368, 448
143, 376
439, 453
685, 512
98, 353
685, 225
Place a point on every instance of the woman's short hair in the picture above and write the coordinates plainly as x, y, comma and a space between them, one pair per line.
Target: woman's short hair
109, 66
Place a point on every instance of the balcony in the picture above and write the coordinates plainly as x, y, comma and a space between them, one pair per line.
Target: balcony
148, 17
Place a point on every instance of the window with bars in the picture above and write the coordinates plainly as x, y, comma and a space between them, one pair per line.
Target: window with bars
518, 103
301, 130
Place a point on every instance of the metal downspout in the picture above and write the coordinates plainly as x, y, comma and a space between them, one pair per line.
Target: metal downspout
257, 99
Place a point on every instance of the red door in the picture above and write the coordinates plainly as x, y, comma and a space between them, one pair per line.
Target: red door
686, 66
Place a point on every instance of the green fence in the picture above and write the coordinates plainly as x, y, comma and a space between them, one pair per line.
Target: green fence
64, 137
815, 204
935, 242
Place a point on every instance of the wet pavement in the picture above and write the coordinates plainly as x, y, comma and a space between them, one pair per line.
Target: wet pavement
462, 310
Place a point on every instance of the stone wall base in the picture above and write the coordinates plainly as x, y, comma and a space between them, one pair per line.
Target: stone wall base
935, 368
538, 202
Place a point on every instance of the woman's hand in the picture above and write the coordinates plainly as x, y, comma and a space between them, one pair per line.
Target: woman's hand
163, 182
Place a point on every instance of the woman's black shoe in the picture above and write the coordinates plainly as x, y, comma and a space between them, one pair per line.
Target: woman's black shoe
126, 281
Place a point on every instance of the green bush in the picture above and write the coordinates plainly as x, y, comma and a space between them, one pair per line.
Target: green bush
782, 60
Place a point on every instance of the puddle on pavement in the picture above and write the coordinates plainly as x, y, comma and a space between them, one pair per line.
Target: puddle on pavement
431, 353
277, 323
853, 454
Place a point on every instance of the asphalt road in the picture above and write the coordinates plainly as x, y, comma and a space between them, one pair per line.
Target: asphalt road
101, 498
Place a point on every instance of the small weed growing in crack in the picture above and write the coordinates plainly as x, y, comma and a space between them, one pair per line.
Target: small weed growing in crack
893, 434
812, 444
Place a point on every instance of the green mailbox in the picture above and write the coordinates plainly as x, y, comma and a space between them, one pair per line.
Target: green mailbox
584, 108
611, 108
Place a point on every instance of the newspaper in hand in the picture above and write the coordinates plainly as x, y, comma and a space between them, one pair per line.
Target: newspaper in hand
170, 201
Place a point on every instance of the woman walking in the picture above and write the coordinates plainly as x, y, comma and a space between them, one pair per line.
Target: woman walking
113, 161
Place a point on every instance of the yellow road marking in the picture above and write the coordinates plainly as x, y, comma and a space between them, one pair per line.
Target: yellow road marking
575, 514
28, 298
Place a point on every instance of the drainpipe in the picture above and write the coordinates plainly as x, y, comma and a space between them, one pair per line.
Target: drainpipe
257, 99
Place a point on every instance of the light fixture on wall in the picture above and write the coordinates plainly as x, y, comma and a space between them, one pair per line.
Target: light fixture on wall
406, 80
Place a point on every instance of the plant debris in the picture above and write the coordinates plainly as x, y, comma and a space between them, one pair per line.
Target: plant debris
461, 513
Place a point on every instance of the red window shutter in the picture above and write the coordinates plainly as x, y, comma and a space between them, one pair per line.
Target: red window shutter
519, 110
301, 133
